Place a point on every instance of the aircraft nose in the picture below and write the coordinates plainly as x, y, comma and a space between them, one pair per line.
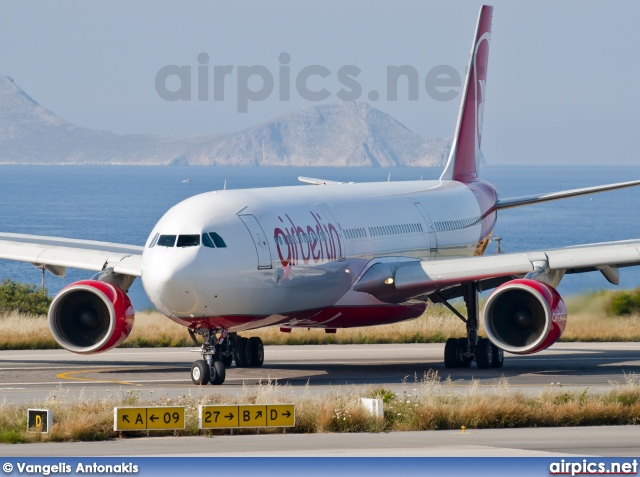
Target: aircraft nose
173, 283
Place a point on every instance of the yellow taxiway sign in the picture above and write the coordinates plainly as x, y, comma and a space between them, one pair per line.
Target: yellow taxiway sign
148, 418
218, 417
281, 415
250, 415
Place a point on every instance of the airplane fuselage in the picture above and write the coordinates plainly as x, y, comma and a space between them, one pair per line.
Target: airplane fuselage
290, 255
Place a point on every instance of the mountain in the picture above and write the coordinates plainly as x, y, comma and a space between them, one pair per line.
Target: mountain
340, 134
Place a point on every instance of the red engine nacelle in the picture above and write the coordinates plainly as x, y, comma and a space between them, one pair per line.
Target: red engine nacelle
524, 316
90, 317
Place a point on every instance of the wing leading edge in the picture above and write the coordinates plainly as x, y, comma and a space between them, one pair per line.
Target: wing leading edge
398, 281
57, 254
548, 196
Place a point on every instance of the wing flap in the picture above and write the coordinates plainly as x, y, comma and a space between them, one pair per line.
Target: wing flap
20, 252
76, 258
130, 265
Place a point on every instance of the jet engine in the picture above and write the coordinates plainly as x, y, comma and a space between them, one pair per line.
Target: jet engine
524, 316
90, 316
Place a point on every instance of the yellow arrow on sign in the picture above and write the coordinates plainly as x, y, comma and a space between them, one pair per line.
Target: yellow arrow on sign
129, 418
252, 416
170, 417
148, 418
218, 417
281, 415
226, 417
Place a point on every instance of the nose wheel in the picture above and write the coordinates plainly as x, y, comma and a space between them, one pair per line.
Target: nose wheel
200, 372
219, 350
210, 369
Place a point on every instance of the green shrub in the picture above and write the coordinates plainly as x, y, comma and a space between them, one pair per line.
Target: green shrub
24, 298
624, 302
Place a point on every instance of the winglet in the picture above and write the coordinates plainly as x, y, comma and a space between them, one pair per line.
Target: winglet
465, 150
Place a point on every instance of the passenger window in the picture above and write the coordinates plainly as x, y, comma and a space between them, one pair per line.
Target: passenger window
166, 241
217, 240
154, 240
207, 242
189, 241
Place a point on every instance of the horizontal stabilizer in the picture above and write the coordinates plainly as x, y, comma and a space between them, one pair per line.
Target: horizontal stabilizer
548, 196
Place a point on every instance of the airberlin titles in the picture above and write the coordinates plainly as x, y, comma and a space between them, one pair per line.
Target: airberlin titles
317, 242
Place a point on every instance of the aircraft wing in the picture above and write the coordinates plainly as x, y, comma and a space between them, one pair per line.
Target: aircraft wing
396, 281
548, 196
57, 254
314, 181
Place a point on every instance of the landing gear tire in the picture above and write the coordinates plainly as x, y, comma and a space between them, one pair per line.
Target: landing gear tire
464, 361
257, 352
451, 348
498, 357
484, 353
226, 359
217, 373
243, 353
200, 373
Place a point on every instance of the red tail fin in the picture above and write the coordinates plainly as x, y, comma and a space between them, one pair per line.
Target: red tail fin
465, 150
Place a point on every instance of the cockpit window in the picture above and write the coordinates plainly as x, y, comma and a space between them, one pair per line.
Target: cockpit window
166, 241
217, 240
207, 242
213, 240
154, 240
189, 241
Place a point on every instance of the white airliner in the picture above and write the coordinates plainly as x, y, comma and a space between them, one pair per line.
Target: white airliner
330, 255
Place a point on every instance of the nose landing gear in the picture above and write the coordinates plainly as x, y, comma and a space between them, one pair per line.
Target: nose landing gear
219, 350
211, 368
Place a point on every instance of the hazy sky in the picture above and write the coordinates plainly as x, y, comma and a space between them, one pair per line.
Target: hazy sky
563, 82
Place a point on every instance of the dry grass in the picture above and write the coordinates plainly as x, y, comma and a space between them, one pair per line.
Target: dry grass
588, 321
153, 329
427, 404
21, 331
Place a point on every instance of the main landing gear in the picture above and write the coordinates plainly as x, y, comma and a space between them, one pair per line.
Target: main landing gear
461, 352
219, 350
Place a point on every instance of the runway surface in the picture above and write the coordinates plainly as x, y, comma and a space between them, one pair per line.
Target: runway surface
34, 376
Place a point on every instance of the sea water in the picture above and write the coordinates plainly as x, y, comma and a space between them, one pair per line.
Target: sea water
122, 203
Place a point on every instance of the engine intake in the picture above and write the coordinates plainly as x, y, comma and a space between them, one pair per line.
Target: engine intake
524, 316
90, 317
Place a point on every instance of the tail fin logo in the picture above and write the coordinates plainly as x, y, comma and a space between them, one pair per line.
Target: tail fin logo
465, 150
